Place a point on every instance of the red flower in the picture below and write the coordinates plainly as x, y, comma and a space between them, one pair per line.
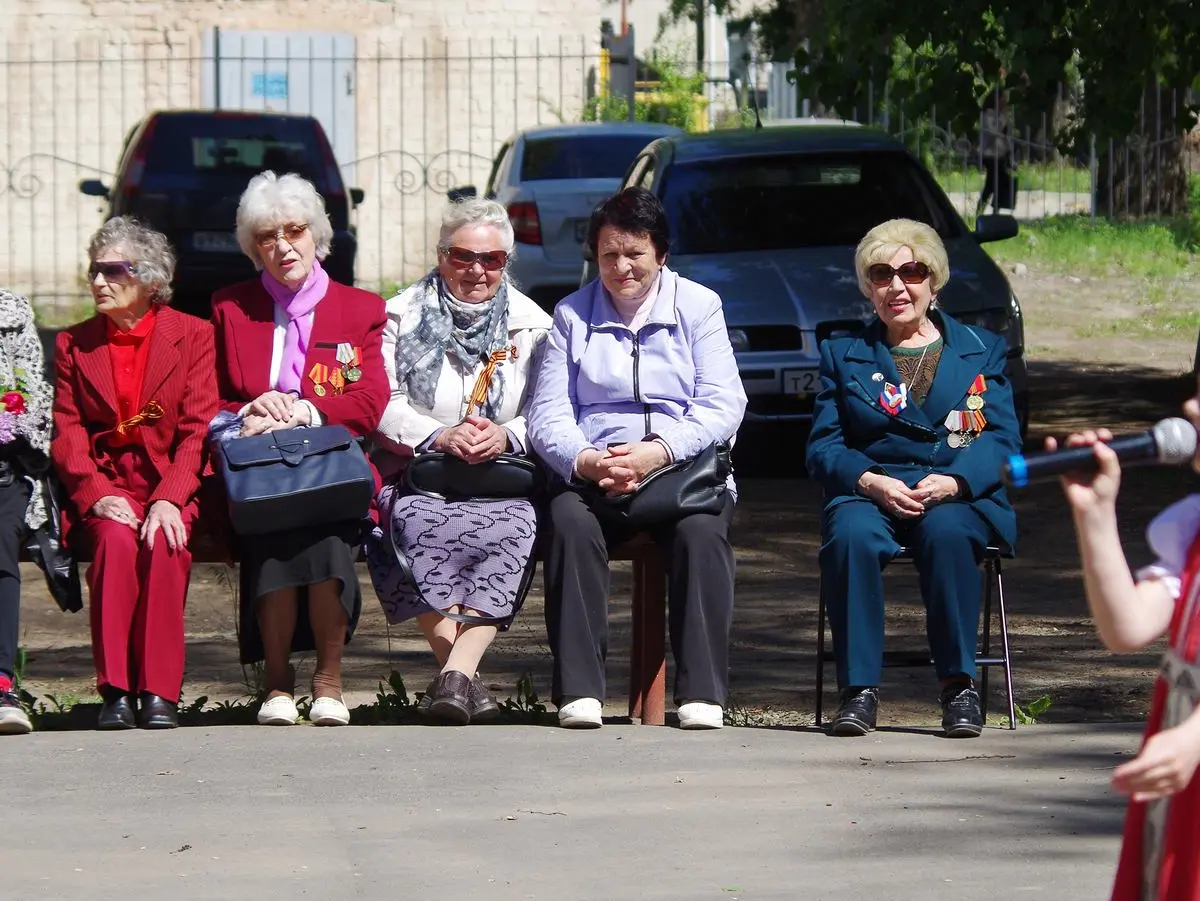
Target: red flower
14, 402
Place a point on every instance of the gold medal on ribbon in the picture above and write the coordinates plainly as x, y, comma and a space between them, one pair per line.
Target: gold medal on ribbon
337, 381
974, 402
318, 375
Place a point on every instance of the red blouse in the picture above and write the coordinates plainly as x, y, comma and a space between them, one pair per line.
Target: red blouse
129, 352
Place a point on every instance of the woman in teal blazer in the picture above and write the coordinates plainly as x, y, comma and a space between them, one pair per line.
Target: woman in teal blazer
914, 419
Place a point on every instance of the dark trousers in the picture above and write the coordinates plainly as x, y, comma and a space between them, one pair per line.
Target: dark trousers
13, 499
947, 545
700, 572
997, 185
138, 593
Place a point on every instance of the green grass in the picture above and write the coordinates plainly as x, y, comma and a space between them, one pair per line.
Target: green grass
1165, 248
1033, 177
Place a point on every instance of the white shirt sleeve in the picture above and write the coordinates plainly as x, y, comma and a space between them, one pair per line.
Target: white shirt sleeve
1170, 535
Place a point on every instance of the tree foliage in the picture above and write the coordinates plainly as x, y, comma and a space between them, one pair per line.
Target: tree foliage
951, 55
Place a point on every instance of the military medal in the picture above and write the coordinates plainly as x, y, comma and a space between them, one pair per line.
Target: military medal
337, 380
975, 392
317, 375
954, 440
974, 402
350, 357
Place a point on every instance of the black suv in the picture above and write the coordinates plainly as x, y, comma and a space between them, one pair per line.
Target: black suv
183, 171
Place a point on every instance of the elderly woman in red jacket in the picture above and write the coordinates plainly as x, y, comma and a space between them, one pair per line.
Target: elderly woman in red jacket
297, 349
134, 393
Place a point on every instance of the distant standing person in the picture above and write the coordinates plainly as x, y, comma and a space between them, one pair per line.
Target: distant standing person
995, 147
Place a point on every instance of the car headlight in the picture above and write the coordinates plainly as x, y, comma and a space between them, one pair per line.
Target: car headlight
1004, 321
739, 339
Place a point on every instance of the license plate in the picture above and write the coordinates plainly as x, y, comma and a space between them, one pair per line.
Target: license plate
581, 230
801, 381
215, 242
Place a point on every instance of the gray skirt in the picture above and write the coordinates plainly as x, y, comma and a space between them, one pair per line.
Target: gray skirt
474, 554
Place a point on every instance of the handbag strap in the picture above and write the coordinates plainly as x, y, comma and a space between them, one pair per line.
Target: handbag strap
483, 383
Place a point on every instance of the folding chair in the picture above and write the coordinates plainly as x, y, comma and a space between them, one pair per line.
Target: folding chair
993, 587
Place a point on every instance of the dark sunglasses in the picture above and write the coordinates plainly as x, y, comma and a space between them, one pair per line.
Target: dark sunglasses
112, 269
881, 274
490, 260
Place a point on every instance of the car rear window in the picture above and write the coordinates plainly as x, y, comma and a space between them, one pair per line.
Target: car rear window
239, 146
583, 156
810, 200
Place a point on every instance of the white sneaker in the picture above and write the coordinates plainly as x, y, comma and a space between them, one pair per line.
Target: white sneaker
278, 711
701, 715
583, 713
14, 721
328, 712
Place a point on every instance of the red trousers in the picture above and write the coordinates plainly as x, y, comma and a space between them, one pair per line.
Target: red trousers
138, 593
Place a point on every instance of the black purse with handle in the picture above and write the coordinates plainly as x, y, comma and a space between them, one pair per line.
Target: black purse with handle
669, 494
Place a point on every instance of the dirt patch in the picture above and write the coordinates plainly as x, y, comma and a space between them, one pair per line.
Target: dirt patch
1076, 379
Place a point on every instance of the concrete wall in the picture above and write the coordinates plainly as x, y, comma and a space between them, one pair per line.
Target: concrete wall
438, 85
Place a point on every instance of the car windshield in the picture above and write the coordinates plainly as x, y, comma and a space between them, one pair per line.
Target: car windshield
239, 146
580, 156
809, 200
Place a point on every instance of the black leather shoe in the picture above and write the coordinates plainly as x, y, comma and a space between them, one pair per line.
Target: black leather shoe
483, 705
117, 713
857, 711
156, 713
962, 714
451, 702
426, 702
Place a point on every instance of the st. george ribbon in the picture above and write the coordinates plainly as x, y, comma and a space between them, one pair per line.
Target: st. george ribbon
1169, 443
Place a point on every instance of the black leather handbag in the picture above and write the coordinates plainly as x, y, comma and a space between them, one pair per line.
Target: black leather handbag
451, 478
294, 479
675, 491
45, 547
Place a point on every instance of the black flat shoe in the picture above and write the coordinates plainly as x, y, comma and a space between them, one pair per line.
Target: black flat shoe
857, 711
483, 705
962, 713
451, 703
156, 713
117, 713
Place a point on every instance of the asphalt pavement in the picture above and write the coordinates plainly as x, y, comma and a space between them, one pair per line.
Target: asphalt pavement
529, 812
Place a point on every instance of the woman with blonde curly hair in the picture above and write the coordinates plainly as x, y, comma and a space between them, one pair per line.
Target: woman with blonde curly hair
914, 419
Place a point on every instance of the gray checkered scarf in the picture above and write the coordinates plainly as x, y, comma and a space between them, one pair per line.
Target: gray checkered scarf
437, 326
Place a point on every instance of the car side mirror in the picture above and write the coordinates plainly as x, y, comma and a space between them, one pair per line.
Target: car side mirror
462, 193
357, 195
93, 187
995, 228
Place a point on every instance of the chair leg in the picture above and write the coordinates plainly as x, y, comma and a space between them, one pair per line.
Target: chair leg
648, 687
986, 650
820, 654
1008, 682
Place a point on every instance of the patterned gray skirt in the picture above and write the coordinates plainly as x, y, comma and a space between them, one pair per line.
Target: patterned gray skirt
471, 553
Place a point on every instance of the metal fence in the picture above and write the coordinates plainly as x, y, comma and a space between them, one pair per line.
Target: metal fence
411, 119
408, 121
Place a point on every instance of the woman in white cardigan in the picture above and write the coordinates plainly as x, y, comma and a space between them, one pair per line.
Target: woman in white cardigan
458, 347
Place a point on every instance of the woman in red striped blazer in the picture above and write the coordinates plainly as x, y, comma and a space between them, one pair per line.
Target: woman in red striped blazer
134, 392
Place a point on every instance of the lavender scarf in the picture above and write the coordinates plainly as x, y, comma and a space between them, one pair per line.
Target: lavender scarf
297, 305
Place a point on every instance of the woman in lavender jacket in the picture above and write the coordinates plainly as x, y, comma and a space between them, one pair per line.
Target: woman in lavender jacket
637, 373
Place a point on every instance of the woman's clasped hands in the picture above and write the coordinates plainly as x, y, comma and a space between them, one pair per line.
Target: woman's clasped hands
476, 439
622, 468
273, 410
895, 497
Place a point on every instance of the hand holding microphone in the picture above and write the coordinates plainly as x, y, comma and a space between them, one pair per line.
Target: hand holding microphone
1170, 442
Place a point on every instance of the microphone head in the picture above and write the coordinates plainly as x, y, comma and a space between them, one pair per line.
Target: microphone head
1175, 439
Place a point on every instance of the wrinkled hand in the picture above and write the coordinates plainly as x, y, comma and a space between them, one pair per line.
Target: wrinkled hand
1164, 766
258, 425
490, 440
275, 404
165, 516
935, 488
116, 508
623, 467
456, 439
1092, 492
892, 495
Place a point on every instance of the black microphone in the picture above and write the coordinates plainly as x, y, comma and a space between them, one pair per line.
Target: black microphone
1170, 442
